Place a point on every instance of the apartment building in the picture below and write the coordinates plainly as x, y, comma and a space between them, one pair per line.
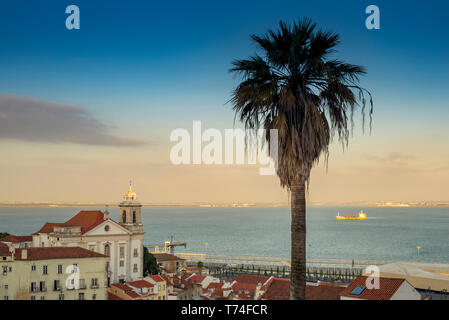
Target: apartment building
52, 273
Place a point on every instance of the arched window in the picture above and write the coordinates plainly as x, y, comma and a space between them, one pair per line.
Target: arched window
107, 250
134, 217
124, 216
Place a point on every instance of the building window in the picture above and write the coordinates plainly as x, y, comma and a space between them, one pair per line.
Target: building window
56, 286
5, 298
33, 297
81, 296
59, 268
136, 252
122, 252
33, 287
61, 296
135, 267
33, 267
107, 249
44, 270
124, 216
134, 217
94, 297
94, 283
122, 263
42, 286
4, 258
75, 267
6, 286
82, 284
42, 298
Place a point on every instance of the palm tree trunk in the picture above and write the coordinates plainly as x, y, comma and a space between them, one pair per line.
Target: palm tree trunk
298, 242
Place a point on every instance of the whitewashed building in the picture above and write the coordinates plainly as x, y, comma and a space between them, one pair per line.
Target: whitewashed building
122, 241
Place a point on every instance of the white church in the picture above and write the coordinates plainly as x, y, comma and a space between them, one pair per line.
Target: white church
96, 231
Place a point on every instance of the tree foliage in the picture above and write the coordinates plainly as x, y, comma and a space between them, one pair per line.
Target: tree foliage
296, 87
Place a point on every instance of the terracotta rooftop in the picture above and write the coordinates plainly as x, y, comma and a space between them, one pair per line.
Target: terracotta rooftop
141, 284
196, 278
47, 253
17, 239
156, 278
387, 288
126, 289
279, 289
4, 249
87, 220
113, 297
323, 292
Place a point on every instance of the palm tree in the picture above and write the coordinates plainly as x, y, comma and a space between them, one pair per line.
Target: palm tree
296, 88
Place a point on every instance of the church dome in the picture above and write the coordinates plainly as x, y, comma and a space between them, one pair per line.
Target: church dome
130, 194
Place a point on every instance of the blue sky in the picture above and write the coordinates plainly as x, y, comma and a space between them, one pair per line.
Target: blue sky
145, 65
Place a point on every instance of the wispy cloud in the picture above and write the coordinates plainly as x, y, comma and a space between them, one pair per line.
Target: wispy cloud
28, 119
391, 157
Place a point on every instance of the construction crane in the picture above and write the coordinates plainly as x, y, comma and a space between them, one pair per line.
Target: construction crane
168, 246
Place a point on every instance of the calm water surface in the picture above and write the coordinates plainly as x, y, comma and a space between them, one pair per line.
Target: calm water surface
388, 233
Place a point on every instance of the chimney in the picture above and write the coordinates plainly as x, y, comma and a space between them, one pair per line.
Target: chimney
24, 254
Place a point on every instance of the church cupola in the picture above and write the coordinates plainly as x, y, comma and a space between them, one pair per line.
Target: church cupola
130, 211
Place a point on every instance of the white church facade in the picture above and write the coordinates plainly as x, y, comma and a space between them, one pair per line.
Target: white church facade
96, 231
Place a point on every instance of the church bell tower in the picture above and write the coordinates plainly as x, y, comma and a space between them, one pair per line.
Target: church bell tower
130, 212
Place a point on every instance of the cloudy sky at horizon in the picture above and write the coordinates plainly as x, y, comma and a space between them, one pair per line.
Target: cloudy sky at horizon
82, 112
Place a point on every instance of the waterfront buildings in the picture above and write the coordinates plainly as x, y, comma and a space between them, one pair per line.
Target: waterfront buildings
52, 273
96, 231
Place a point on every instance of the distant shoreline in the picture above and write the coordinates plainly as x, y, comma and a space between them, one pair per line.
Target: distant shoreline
230, 205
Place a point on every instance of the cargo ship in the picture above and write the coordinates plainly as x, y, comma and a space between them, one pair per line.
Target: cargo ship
361, 216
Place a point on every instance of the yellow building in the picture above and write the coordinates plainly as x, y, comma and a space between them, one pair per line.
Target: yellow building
58, 273
160, 286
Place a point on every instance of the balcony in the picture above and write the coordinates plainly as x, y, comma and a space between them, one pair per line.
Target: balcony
94, 286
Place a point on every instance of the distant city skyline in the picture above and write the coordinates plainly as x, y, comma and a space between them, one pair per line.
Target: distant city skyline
82, 112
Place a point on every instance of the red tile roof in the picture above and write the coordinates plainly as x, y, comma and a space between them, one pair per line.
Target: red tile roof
4, 249
87, 220
141, 284
113, 297
46, 253
126, 289
215, 285
323, 292
237, 286
17, 239
156, 278
196, 278
279, 289
387, 288
185, 275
